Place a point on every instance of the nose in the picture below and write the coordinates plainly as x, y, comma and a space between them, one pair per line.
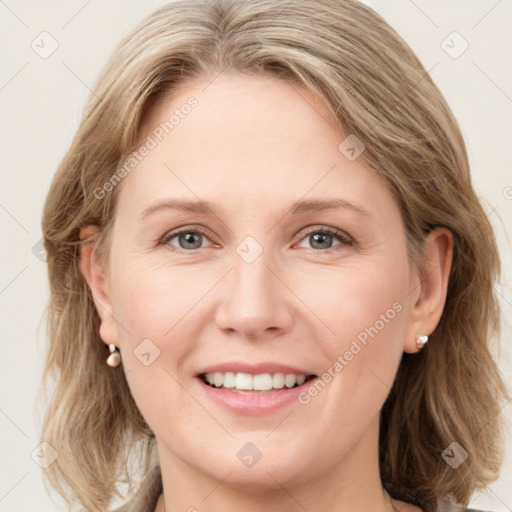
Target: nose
255, 302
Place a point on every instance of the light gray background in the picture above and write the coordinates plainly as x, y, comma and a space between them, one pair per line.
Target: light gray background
41, 102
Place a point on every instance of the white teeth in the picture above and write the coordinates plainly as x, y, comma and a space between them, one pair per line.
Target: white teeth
278, 380
229, 380
218, 379
260, 382
290, 380
243, 381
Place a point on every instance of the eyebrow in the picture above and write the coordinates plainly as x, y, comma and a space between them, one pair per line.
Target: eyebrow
300, 207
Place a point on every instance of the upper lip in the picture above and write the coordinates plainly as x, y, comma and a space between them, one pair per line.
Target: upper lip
253, 368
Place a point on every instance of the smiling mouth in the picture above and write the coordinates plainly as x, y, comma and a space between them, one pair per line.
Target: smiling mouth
248, 383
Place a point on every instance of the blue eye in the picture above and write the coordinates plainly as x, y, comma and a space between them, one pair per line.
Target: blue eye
188, 239
321, 238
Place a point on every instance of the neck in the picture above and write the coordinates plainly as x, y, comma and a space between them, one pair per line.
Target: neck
351, 485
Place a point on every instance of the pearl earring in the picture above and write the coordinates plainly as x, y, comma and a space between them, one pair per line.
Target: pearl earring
421, 340
114, 359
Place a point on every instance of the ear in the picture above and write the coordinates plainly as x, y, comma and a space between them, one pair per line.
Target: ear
96, 277
429, 287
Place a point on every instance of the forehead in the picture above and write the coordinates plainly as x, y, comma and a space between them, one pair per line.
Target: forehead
248, 141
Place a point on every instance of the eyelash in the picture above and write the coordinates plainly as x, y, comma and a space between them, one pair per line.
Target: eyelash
342, 237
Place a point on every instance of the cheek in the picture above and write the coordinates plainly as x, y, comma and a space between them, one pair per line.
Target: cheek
357, 302
363, 307
153, 298
154, 307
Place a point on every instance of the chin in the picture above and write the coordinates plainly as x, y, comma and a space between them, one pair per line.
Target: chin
252, 468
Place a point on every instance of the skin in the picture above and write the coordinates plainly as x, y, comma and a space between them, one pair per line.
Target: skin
252, 147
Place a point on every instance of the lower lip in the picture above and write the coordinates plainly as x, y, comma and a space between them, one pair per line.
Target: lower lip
254, 403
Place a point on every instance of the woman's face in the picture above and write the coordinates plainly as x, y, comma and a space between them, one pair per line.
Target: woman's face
263, 282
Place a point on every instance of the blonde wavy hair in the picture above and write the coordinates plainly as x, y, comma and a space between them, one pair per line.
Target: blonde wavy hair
375, 88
